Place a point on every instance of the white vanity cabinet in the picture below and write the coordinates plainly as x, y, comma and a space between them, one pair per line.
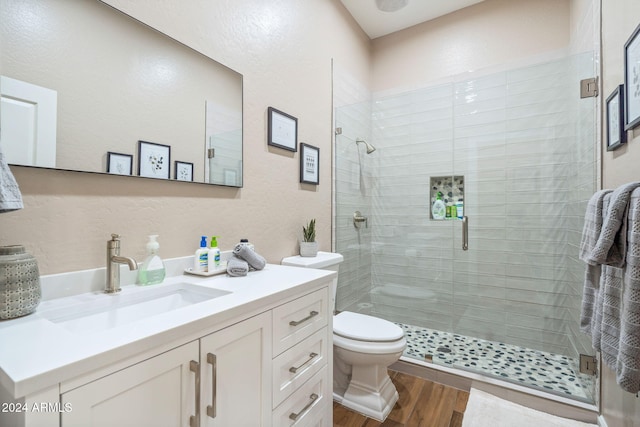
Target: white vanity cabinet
265, 361
302, 364
235, 375
228, 371
156, 392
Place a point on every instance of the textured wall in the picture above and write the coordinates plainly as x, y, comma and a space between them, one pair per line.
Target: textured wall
284, 52
619, 19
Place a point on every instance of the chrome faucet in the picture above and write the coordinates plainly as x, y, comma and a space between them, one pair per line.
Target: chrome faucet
113, 269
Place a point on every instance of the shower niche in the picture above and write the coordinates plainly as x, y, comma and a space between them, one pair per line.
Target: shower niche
452, 189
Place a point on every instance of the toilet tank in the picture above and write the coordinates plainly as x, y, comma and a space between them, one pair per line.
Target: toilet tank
323, 261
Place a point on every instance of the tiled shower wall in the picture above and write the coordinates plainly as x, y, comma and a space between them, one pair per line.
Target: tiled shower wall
524, 144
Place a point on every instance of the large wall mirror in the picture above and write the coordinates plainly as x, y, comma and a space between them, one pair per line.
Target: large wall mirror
87, 88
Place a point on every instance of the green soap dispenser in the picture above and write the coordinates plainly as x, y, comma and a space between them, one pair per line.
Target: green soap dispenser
152, 270
438, 210
213, 256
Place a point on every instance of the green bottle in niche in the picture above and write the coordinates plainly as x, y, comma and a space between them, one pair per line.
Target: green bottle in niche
438, 210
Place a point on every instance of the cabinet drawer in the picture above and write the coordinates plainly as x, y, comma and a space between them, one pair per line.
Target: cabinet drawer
298, 319
307, 405
295, 366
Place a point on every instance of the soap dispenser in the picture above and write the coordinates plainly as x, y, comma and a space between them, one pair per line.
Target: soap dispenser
213, 257
200, 261
438, 210
152, 270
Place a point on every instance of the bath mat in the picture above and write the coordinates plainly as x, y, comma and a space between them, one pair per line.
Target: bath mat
486, 410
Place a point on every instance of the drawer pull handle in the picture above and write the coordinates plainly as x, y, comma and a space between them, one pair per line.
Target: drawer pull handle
297, 322
194, 420
213, 360
294, 369
295, 416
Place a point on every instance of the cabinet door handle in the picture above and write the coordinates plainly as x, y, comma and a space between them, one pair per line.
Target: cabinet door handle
297, 322
194, 420
213, 360
294, 369
295, 416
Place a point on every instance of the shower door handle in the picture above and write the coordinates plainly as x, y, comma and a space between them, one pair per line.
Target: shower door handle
465, 233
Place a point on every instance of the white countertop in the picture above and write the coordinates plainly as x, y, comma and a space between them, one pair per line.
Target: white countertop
36, 353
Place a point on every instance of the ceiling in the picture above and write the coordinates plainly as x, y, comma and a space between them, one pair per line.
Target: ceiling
377, 23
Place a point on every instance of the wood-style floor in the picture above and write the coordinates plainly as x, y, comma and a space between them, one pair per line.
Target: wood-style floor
422, 403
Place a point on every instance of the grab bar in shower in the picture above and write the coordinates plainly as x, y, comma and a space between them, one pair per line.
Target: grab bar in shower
465, 233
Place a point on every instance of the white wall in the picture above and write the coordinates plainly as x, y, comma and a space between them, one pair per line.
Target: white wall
284, 51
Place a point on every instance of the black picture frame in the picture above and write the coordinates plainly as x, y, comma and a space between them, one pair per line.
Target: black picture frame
309, 164
183, 171
616, 133
119, 163
154, 160
282, 130
632, 80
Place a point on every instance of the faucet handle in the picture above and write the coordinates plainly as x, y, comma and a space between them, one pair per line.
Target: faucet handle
114, 243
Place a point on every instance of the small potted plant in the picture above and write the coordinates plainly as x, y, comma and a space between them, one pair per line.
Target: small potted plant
309, 246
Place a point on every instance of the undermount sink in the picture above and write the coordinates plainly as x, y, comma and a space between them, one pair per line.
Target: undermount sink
102, 312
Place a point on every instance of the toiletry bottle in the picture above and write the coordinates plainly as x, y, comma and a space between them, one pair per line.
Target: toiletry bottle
213, 256
152, 270
200, 261
438, 210
460, 209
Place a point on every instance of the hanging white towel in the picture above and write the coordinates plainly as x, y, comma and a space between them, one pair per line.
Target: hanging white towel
10, 196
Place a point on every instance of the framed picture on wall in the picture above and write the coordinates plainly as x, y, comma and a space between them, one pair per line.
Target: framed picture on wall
309, 164
119, 164
154, 160
632, 80
616, 134
282, 130
183, 171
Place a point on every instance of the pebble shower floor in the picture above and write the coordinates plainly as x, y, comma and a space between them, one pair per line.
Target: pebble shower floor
549, 372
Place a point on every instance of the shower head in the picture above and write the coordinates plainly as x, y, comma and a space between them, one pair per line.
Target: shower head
370, 148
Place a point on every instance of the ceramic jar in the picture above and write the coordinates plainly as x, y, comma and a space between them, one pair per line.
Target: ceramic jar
20, 291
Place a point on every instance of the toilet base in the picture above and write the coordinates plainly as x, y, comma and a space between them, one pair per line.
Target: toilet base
374, 403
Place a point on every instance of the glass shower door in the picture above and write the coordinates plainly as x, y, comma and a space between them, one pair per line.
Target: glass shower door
525, 142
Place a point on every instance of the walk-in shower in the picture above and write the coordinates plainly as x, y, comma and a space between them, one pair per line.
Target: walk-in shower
523, 141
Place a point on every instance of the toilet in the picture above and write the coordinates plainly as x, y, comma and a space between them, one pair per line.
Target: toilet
363, 348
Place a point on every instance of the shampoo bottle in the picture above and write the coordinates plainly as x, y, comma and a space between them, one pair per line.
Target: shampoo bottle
438, 210
152, 270
200, 261
213, 255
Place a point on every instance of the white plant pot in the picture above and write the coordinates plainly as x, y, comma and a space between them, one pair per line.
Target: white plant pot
308, 249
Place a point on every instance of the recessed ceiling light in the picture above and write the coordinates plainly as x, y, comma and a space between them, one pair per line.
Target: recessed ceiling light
391, 5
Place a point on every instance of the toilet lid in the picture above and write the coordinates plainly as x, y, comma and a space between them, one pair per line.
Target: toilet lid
361, 327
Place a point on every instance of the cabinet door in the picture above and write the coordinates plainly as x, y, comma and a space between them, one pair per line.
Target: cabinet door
236, 375
157, 392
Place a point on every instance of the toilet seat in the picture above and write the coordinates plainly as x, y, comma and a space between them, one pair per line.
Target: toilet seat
366, 334
360, 327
